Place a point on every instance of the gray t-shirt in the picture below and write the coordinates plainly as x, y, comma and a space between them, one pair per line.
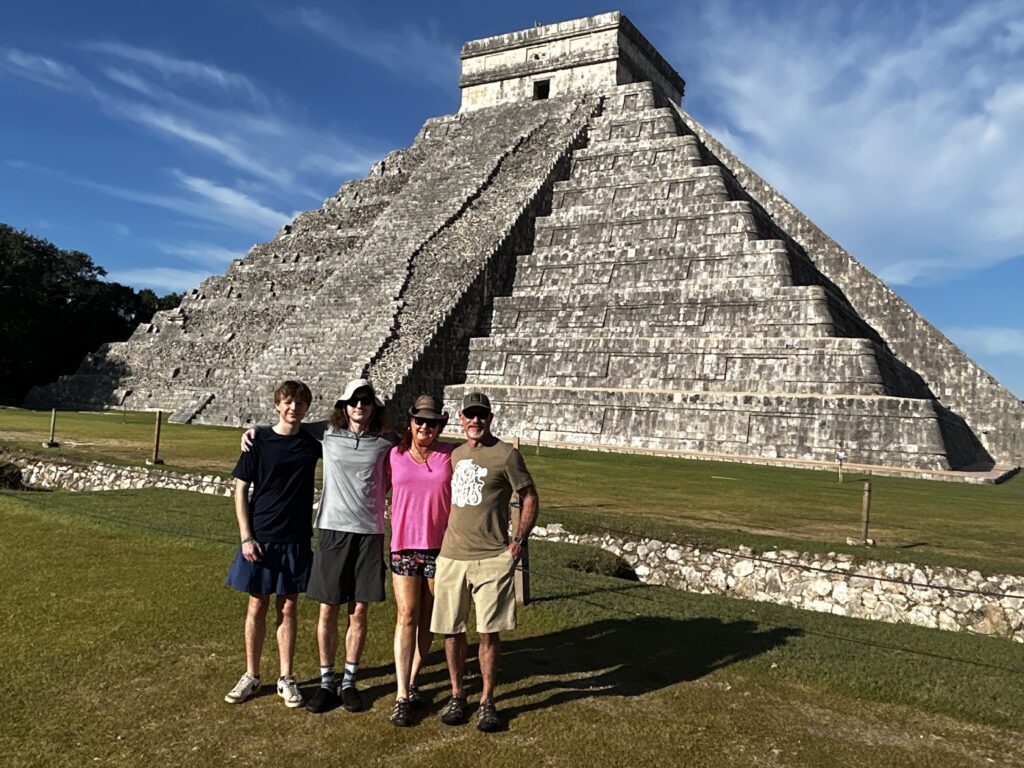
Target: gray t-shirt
354, 496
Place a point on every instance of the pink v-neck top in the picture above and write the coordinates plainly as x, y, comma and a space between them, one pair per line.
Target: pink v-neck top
421, 498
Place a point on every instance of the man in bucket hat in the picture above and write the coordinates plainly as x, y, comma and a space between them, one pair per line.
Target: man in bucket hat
478, 559
348, 565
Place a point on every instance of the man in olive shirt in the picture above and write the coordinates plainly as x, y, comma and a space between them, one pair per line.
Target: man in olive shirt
477, 560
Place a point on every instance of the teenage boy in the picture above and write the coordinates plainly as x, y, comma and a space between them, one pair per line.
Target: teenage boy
275, 528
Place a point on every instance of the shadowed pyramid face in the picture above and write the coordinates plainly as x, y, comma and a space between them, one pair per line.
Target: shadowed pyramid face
626, 281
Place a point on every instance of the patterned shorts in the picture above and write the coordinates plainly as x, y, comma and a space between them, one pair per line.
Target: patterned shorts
414, 562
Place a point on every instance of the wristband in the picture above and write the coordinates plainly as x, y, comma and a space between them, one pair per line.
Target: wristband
519, 539
246, 541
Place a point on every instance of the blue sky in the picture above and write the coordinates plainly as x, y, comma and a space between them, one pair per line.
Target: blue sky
164, 139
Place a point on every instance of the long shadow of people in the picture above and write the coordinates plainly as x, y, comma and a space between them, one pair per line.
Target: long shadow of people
628, 657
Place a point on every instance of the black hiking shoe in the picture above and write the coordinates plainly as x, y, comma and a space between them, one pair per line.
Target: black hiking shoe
322, 701
455, 712
415, 697
487, 718
400, 714
351, 700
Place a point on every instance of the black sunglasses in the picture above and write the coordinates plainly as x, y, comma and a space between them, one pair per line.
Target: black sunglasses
477, 413
365, 400
422, 422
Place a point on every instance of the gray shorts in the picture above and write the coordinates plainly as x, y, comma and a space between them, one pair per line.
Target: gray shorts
347, 567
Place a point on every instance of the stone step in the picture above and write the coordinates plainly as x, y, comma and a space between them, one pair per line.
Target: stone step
702, 222
632, 279
872, 429
635, 125
701, 184
782, 311
555, 256
631, 98
664, 158
749, 364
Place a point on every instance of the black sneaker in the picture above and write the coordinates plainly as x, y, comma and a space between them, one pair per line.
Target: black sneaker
455, 712
415, 697
323, 700
400, 714
351, 700
487, 718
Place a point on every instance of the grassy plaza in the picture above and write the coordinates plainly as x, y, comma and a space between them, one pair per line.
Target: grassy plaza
120, 638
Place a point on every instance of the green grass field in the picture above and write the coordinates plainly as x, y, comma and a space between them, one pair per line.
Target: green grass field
922, 521
119, 641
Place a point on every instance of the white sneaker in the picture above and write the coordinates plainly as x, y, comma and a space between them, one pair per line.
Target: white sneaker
245, 688
288, 690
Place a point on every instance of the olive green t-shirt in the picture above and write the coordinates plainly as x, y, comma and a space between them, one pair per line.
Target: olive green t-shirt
483, 480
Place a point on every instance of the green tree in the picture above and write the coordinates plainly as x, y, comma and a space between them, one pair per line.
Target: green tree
54, 308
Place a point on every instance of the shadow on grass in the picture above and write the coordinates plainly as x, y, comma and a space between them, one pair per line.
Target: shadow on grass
628, 657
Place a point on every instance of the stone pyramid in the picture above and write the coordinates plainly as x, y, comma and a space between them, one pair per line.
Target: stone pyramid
578, 246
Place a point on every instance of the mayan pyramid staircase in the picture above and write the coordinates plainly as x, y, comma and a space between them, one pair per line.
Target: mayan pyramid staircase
659, 310
393, 268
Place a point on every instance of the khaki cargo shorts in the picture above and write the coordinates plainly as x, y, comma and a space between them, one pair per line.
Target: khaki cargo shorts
489, 584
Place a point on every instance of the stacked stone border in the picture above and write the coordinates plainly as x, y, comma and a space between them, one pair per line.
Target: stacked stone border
936, 597
100, 476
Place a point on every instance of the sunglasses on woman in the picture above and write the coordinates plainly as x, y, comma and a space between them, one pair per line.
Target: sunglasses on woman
422, 422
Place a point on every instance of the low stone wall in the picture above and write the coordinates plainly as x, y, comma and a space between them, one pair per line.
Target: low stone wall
99, 476
927, 596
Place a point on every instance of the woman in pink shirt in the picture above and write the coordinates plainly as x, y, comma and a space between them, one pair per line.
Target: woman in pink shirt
421, 494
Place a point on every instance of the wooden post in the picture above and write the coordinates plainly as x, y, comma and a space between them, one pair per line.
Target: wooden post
866, 510
538, 442
522, 574
156, 440
51, 443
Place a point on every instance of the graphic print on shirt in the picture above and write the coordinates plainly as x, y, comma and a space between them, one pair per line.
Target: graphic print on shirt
468, 483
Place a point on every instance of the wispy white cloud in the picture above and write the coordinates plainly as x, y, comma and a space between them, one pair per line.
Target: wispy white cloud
43, 70
412, 52
899, 129
989, 340
232, 202
289, 157
215, 257
173, 68
205, 200
159, 279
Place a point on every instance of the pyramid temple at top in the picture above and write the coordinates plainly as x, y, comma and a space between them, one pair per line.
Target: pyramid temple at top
575, 244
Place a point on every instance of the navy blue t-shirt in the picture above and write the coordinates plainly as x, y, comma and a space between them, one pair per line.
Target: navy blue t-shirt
281, 469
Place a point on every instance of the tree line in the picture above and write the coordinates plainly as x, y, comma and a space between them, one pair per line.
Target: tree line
55, 308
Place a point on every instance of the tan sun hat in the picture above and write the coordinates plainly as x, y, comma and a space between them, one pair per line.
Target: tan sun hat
354, 386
